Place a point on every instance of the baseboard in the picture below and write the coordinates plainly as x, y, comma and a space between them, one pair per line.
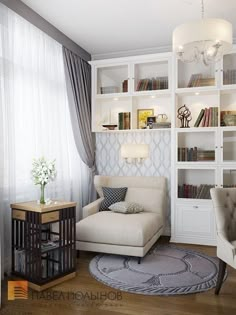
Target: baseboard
193, 240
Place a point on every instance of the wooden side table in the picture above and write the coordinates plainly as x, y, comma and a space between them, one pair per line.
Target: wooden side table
43, 242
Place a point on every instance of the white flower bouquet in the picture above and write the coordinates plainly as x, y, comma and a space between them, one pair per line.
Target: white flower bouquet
43, 172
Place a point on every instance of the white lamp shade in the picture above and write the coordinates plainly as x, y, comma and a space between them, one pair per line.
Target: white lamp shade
134, 151
203, 30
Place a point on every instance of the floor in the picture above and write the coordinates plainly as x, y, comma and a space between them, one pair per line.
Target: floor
88, 297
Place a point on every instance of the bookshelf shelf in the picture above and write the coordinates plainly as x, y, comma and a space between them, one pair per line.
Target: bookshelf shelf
135, 130
112, 95
203, 90
154, 93
227, 89
197, 129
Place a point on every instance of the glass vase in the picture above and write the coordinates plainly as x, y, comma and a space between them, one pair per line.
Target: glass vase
42, 200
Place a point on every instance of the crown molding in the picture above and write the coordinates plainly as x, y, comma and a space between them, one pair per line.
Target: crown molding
134, 52
137, 52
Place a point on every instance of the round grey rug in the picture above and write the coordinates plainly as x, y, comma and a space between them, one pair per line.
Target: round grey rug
165, 270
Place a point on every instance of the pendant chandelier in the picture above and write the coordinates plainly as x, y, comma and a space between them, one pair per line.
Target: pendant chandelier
206, 40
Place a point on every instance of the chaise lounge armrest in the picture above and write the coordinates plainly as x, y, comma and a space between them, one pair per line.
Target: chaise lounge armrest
92, 208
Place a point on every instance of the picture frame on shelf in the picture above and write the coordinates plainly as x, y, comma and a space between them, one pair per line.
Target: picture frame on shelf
142, 116
150, 121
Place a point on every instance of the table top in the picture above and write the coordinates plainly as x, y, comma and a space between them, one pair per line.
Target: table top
37, 207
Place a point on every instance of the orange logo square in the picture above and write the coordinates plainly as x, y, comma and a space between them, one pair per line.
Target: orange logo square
17, 290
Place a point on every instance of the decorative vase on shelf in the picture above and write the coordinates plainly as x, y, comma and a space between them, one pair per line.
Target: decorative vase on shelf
43, 172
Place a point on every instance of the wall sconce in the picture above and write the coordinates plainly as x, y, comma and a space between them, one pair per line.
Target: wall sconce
134, 152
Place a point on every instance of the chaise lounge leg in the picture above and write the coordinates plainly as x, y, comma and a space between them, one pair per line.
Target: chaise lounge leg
222, 267
139, 260
77, 253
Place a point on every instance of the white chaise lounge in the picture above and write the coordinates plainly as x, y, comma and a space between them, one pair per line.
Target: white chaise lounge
124, 234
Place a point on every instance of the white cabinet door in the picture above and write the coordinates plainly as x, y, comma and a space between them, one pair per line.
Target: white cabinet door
150, 76
227, 176
228, 145
228, 71
195, 223
112, 79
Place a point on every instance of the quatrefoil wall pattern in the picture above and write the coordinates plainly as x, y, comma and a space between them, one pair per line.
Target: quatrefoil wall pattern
110, 163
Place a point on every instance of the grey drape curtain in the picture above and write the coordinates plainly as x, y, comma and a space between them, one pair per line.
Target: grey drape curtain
78, 81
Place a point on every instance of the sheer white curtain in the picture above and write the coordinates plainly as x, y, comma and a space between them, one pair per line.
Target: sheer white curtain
34, 119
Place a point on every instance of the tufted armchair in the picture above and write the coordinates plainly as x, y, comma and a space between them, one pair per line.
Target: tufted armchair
224, 202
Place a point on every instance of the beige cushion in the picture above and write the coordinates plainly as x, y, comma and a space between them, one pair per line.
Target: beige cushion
149, 191
149, 198
126, 207
108, 227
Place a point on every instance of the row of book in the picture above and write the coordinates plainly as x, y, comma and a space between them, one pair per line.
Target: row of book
159, 83
194, 191
207, 117
195, 155
124, 120
109, 89
125, 86
198, 79
229, 76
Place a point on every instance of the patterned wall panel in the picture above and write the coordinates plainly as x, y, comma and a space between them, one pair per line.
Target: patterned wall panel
109, 161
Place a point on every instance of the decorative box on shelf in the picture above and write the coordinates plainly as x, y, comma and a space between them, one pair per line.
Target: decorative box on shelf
43, 242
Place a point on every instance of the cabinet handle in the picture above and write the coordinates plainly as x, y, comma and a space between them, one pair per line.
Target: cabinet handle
221, 146
216, 147
196, 207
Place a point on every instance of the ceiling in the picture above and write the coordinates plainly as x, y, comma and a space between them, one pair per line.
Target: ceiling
108, 26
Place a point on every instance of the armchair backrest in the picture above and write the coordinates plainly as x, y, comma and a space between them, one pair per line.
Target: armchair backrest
224, 202
148, 191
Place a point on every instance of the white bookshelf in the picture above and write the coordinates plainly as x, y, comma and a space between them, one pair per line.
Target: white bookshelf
192, 219
148, 86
